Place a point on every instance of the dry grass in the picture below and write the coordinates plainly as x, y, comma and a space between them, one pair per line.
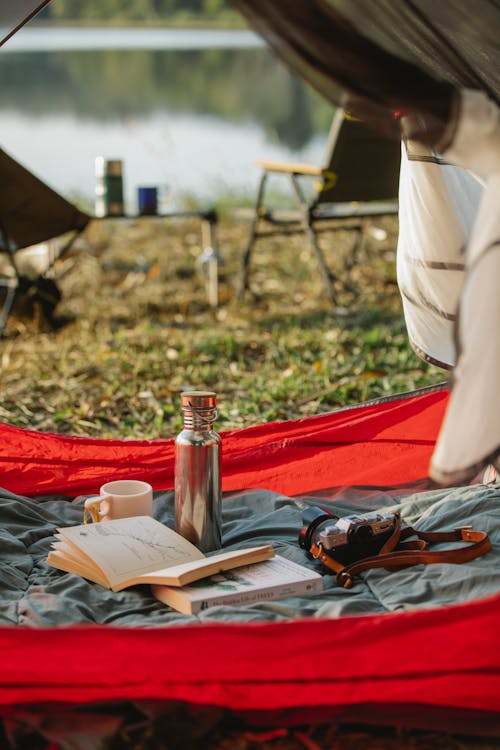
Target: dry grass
142, 330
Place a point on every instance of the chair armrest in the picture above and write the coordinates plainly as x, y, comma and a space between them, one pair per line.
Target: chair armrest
291, 168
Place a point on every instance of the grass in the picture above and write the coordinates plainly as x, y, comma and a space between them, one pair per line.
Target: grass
142, 331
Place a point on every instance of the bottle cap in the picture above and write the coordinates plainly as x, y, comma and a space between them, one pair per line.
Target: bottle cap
198, 400
108, 167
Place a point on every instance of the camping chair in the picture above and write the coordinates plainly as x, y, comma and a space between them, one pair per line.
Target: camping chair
31, 213
359, 181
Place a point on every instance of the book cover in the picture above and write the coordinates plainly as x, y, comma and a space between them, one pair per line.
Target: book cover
139, 550
276, 578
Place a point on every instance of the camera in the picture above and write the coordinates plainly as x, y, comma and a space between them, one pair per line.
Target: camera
346, 539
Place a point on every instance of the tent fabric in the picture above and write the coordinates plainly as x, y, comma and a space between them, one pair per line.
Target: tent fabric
381, 443
377, 57
15, 13
438, 203
30, 211
447, 669
445, 659
470, 436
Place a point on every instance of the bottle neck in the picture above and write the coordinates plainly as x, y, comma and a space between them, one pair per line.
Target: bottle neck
199, 420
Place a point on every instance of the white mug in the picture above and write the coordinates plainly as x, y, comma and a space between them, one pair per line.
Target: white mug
120, 499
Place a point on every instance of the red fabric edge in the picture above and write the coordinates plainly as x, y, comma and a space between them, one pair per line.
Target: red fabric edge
447, 657
376, 443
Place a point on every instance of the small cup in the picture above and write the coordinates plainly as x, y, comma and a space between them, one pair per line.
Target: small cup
120, 499
147, 201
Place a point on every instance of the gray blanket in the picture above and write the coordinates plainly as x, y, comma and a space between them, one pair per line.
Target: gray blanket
37, 595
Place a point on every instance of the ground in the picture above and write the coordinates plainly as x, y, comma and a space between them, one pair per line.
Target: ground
141, 330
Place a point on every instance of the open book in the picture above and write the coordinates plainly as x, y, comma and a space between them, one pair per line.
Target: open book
129, 551
274, 579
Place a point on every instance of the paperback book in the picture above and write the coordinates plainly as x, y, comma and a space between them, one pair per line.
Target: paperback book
129, 551
276, 578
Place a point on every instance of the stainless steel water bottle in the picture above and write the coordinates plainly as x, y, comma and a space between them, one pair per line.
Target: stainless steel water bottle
197, 472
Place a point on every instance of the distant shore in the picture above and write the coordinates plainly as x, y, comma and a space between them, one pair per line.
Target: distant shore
231, 20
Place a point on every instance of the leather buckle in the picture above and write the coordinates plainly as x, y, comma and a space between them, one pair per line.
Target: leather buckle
316, 551
466, 533
344, 580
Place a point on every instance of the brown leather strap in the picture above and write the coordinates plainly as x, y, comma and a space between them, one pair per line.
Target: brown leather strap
404, 554
393, 540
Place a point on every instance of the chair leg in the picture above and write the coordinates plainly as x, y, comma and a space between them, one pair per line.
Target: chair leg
210, 259
245, 263
309, 230
7, 306
359, 244
325, 271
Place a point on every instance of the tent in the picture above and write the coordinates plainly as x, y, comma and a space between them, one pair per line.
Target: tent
425, 667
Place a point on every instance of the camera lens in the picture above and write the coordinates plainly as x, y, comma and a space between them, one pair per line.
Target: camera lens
362, 534
312, 518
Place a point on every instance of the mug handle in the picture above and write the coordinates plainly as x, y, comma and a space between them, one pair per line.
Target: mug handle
91, 507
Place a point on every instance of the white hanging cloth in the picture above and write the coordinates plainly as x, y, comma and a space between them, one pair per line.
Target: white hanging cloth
437, 206
470, 434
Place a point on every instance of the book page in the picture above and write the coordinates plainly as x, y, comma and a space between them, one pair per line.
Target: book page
126, 547
72, 554
70, 565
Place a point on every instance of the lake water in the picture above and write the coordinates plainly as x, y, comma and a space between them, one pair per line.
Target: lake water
189, 111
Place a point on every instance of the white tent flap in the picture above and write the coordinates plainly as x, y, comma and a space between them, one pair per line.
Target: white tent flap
470, 435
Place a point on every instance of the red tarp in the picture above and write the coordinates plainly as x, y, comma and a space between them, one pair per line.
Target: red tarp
438, 667
386, 443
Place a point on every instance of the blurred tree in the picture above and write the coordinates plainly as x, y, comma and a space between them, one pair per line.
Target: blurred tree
125, 84
134, 10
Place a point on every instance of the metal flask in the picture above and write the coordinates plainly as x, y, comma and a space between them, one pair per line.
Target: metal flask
109, 187
197, 472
